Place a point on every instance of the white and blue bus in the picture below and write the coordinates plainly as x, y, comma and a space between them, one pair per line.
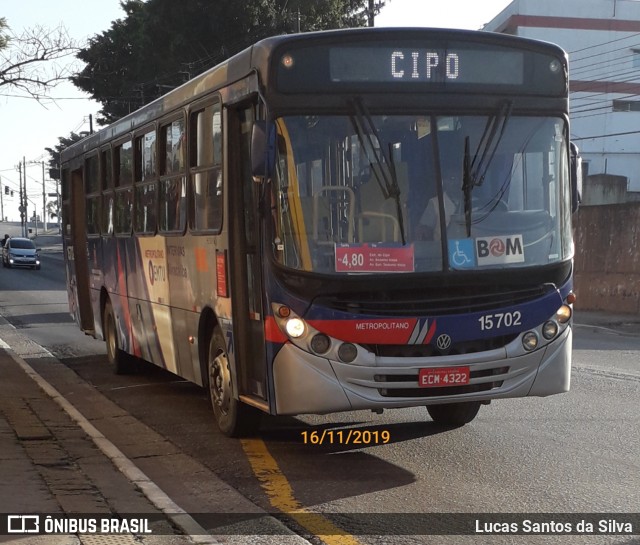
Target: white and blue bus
333, 221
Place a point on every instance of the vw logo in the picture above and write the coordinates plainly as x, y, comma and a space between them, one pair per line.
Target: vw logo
443, 342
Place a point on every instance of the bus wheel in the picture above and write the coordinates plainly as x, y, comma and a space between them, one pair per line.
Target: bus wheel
117, 358
233, 417
454, 414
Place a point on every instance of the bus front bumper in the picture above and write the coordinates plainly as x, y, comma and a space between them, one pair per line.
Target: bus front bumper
309, 384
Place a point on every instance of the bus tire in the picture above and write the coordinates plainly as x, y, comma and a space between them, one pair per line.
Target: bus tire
117, 358
234, 418
454, 414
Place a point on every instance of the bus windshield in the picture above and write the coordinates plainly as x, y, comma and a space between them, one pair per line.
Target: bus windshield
372, 194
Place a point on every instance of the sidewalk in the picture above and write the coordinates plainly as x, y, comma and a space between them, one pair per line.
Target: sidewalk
48, 465
56, 461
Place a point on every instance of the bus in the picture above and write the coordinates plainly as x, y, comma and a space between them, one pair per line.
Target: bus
336, 221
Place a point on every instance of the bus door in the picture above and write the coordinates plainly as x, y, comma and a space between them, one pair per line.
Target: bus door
77, 253
245, 263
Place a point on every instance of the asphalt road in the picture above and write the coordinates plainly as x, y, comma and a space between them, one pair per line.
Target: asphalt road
571, 453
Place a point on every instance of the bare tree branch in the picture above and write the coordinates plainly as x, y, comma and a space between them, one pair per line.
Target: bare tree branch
36, 60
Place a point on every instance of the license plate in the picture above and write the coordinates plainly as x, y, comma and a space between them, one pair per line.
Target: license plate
443, 376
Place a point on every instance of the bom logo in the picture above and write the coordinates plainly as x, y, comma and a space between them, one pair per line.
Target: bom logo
492, 250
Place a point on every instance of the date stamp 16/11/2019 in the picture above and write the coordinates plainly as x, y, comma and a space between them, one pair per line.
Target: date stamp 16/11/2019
346, 437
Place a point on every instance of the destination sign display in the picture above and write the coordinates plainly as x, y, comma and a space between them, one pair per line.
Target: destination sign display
426, 65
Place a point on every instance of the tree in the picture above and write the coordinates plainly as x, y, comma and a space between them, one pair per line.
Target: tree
54, 153
142, 55
302, 15
4, 39
53, 208
30, 61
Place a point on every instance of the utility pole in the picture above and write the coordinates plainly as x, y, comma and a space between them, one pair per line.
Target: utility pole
44, 203
24, 197
59, 201
1, 200
371, 12
20, 207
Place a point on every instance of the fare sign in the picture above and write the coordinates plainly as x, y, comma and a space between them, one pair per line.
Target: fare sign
374, 258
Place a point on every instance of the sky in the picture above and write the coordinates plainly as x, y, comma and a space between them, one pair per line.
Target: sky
30, 127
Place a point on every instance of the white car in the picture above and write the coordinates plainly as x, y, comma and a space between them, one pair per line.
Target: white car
18, 251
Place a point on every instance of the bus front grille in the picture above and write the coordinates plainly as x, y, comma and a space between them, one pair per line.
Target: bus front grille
437, 392
430, 350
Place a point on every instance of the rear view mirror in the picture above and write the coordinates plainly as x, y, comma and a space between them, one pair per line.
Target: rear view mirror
576, 177
263, 138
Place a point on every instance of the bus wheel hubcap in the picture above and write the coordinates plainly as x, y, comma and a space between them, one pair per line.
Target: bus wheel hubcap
220, 382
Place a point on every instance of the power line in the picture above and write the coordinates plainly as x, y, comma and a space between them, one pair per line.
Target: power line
604, 43
575, 61
601, 94
43, 99
606, 135
596, 67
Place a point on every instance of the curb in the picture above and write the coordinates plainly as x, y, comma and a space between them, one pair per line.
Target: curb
153, 492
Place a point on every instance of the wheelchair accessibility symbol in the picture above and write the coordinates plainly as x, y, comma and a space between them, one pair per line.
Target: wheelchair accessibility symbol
461, 253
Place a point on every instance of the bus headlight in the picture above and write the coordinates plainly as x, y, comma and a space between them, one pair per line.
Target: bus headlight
306, 337
549, 330
530, 341
320, 343
347, 352
563, 314
295, 327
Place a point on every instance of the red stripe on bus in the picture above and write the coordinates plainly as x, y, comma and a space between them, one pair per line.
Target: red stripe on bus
430, 333
380, 331
272, 332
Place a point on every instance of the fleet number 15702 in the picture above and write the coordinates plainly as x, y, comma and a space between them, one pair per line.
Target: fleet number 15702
500, 319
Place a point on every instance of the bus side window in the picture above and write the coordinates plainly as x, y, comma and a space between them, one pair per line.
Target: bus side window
172, 212
145, 214
144, 221
91, 178
123, 211
206, 169
172, 199
106, 183
92, 191
174, 147
124, 194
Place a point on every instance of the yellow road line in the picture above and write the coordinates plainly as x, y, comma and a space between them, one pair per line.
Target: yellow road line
280, 495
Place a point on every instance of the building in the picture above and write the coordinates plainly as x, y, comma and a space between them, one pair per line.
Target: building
602, 38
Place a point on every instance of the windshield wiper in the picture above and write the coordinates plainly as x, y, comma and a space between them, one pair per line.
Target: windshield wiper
386, 178
475, 170
467, 186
